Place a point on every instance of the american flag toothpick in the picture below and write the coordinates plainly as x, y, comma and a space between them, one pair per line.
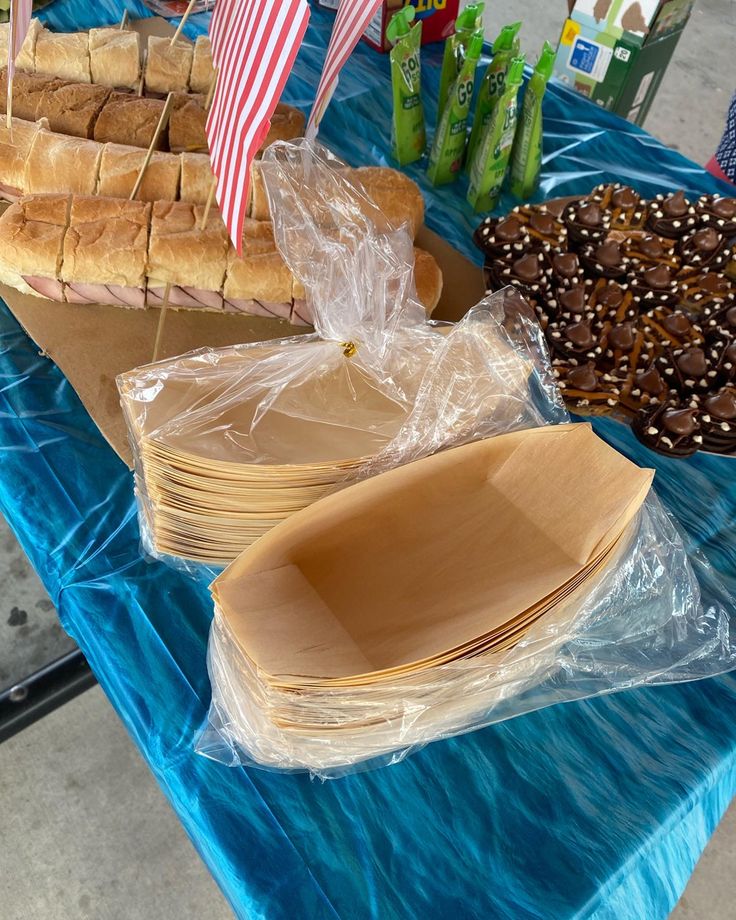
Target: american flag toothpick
254, 45
352, 18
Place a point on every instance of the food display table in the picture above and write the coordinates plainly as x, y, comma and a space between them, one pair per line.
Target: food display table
590, 809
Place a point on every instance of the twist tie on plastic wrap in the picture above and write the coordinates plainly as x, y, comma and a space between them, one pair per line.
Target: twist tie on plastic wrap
349, 349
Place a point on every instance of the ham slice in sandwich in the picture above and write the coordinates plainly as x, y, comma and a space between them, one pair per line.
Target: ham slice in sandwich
104, 258
259, 282
191, 260
33, 235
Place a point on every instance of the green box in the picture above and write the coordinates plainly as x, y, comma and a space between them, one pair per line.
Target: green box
620, 70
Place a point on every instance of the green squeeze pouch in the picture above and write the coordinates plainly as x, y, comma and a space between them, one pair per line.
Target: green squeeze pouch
448, 146
408, 136
468, 21
505, 47
526, 156
491, 160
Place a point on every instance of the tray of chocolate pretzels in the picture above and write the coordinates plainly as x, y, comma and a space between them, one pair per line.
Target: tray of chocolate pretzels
637, 299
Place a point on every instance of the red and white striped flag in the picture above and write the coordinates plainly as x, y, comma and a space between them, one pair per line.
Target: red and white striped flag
20, 20
352, 18
254, 44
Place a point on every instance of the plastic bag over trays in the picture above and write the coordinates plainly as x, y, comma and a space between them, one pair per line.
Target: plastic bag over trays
637, 619
230, 441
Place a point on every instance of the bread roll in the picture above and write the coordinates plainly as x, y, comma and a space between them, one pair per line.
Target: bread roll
119, 168
57, 162
13, 156
260, 274
427, 280
64, 55
259, 208
287, 123
106, 242
196, 177
167, 67
27, 57
397, 196
181, 254
115, 57
28, 89
72, 108
203, 71
130, 120
31, 241
186, 124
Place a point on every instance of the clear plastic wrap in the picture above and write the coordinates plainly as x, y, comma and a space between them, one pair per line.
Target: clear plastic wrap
640, 621
263, 429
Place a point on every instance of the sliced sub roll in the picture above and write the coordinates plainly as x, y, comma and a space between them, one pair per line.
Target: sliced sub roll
106, 251
83, 249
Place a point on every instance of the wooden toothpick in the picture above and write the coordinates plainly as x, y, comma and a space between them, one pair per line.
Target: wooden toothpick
162, 122
142, 81
124, 22
211, 91
183, 22
9, 100
210, 200
161, 321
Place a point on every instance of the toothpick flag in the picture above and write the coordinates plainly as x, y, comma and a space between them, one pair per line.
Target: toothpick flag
20, 20
352, 18
254, 44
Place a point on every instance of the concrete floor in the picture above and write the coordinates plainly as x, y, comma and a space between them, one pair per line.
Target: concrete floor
86, 832
113, 849
30, 633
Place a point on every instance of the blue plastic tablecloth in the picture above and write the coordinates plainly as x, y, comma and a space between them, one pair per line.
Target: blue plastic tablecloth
592, 809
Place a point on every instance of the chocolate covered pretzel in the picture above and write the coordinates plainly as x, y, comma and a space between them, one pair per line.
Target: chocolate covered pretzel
717, 211
502, 238
672, 215
585, 386
627, 208
586, 222
648, 249
546, 230
606, 259
653, 286
718, 421
529, 273
669, 428
703, 250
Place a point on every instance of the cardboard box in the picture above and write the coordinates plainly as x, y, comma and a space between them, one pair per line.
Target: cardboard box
616, 52
437, 18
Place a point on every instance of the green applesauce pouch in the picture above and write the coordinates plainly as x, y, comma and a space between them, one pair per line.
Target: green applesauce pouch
526, 156
491, 160
505, 47
468, 21
448, 146
408, 137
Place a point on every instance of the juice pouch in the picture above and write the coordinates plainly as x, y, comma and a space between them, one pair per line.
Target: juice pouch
448, 146
505, 47
408, 137
526, 156
491, 160
468, 21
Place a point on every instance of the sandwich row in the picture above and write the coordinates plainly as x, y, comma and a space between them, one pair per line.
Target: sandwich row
93, 111
79, 249
37, 161
112, 57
